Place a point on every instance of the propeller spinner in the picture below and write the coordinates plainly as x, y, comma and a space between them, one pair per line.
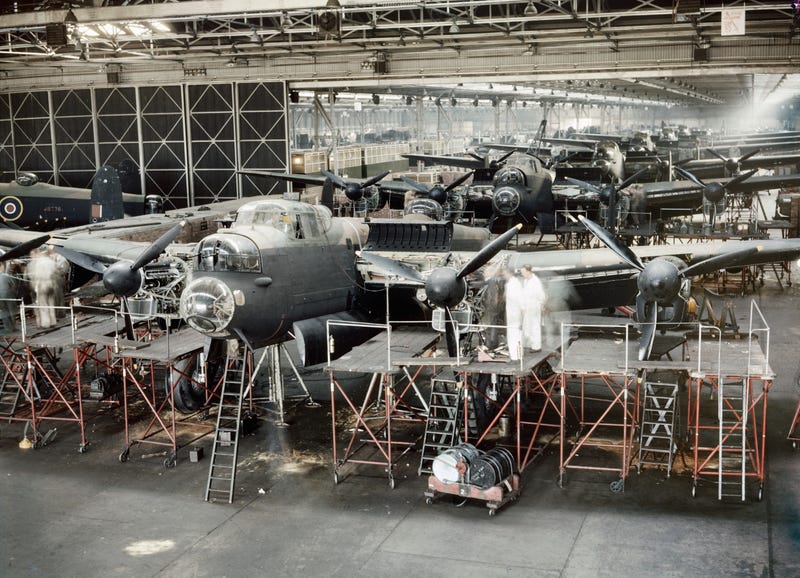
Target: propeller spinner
437, 193
714, 193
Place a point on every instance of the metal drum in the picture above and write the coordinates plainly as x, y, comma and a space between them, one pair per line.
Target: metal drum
449, 466
491, 468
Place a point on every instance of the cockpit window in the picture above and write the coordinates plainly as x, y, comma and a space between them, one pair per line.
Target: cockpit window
228, 253
295, 220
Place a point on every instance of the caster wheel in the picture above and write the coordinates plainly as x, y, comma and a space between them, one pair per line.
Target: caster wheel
336, 478
694, 490
794, 445
459, 503
83, 448
391, 483
492, 512
170, 461
429, 501
760, 493
617, 486
123, 457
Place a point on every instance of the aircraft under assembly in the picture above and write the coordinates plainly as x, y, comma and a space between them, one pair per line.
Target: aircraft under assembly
311, 288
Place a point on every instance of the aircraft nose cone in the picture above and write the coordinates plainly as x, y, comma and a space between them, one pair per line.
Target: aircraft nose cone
602, 164
207, 305
506, 201
353, 192
715, 193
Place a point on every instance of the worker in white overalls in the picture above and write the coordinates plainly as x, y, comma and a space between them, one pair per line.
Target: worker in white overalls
533, 298
514, 304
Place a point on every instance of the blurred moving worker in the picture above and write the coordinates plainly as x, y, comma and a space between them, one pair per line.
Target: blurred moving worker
533, 298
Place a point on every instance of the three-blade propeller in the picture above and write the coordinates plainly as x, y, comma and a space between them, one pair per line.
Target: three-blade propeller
353, 190
714, 193
733, 165
660, 280
436, 193
608, 193
445, 287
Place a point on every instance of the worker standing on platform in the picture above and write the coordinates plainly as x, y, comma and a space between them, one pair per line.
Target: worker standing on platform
514, 306
533, 298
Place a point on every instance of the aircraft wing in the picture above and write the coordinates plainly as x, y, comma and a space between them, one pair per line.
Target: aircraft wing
446, 160
756, 162
291, 177
596, 277
577, 144
764, 183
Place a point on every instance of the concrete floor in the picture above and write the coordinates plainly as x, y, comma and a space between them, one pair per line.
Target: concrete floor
70, 514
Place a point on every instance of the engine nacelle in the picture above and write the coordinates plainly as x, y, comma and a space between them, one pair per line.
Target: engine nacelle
311, 335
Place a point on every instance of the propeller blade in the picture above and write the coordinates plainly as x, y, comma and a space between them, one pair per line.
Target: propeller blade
648, 329
740, 178
371, 181
450, 333
712, 217
457, 182
337, 180
689, 176
720, 261
622, 251
126, 315
24, 248
157, 247
484, 255
504, 158
584, 185
632, 179
477, 157
393, 267
749, 155
81, 260
718, 155
416, 185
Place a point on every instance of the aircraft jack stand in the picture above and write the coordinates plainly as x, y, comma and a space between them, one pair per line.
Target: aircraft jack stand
277, 391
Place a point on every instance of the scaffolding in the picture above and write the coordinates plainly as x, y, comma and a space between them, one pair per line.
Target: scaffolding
589, 365
171, 356
728, 427
793, 435
377, 427
37, 387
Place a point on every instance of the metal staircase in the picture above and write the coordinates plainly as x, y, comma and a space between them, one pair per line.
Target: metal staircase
657, 437
441, 428
732, 404
224, 453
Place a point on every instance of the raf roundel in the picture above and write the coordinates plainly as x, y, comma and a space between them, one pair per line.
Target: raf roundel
10, 208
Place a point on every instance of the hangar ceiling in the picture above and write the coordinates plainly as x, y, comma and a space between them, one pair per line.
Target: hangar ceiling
677, 52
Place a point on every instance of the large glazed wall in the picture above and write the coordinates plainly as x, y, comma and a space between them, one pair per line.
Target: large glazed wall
189, 140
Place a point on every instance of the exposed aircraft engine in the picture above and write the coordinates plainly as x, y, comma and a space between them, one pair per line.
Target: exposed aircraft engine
161, 288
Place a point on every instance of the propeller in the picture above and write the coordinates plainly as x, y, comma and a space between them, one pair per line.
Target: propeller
353, 190
714, 192
445, 287
494, 163
24, 248
732, 165
437, 193
122, 278
660, 280
608, 193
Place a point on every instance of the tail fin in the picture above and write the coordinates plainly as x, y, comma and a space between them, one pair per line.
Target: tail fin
106, 195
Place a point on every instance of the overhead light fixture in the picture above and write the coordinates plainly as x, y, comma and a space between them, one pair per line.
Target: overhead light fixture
254, 36
231, 62
531, 9
454, 29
